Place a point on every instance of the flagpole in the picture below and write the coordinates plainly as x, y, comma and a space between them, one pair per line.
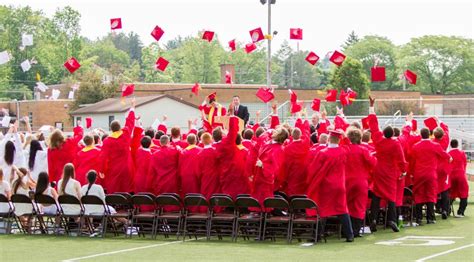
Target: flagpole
269, 51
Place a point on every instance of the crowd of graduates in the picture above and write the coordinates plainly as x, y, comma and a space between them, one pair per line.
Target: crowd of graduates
336, 164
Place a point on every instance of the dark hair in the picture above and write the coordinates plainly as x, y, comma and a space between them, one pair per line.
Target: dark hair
366, 136
354, 135
158, 134
91, 177
454, 143
16, 184
248, 133
217, 134
211, 100
35, 146
68, 173
150, 132
96, 139
396, 132
388, 132
9, 153
238, 139
314, 137
104, 136
145, 142
259, 131
115, 126
42, 183
56, 139
438, 133
236, 96
175, 132
88, 140
425, 133
191, 139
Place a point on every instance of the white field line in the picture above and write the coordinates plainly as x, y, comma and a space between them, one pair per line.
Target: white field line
125, 250
444, 253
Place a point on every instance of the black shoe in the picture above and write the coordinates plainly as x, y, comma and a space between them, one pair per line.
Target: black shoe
430, 222
394, 226
444, 215
351, 239
373, 226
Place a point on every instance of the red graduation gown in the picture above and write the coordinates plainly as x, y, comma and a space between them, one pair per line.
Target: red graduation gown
426, 154
326, 184
358, 166
58, 157
164, 170
142, 168
209, 173
458, 178
294, 167
117, 160
189, 172
443, 165
87, 159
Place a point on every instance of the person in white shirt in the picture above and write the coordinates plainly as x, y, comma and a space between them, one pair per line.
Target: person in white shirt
5, 190
43, 187
37, 159
67, 185
22, 185
11, 153
92, 189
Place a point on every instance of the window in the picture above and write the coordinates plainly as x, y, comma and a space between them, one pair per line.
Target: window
111, 118
78, 118
59, 125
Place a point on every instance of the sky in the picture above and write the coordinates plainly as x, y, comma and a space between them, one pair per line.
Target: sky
325, 23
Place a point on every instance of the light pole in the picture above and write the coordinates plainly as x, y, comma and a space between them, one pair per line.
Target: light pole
269, 34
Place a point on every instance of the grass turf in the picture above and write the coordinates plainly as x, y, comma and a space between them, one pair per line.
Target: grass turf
53, 248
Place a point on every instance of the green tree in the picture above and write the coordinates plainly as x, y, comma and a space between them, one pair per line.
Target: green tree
444, 64
375, 48
149, 56
351, 40
249, 68
92, 89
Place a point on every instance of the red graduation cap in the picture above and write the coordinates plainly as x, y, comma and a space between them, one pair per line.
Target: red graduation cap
344, 98
351, 95
331, 95
157, 33
161, 64
127, 89
316, 104
228, 77
431, 123
365, 123
116, 23
377, 74
72, 65
312, 58
212, 96
410, 76
336, 133
250, 47
337, 58
257, 35
232, 45
195, 89
265, 94
340, 123
293, 96
162, 127
296, 33
296, 107
208, 35
414, 125
88, 122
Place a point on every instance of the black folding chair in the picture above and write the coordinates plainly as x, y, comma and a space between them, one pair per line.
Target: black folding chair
48, 221
24, 210
280, 194
249, 218
95, 214
123, 207
143, 215
277, 218
222, 216
303, 225
7, 217
196, 221
169, 215
71, 214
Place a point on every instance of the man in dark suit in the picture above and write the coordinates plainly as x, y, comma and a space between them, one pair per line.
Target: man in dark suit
239, 110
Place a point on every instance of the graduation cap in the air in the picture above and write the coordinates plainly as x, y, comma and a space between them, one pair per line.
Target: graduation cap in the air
72, 65
265, 94
250, 47
116, 23
331, 95
296, 33
161, 64
157, 33
410, 77
256, 35
377, 73
337, 58
232, 45
208, 36
312, 58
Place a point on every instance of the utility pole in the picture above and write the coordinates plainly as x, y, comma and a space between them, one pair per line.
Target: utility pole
269, 54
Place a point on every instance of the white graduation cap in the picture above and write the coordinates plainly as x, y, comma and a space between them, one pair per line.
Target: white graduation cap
55, 94
25, 65
27, 40
4, 57
6, 121
41, 86
71, 95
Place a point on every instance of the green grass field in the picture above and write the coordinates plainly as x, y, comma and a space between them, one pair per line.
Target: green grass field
52, 248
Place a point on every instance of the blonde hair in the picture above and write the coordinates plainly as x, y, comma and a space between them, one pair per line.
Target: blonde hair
206, 138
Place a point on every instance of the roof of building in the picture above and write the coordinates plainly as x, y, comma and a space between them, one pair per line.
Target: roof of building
117, 105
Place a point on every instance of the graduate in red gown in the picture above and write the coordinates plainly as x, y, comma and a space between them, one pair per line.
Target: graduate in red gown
87, 159
458, 178
189, 167
441, 136
326, 183
164, 168
425, 156
295, 160
232, 157
391, 167
209, 174
176, 139
210, 110
359, 164
117, 163
62, 151
269, 166
141, 178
